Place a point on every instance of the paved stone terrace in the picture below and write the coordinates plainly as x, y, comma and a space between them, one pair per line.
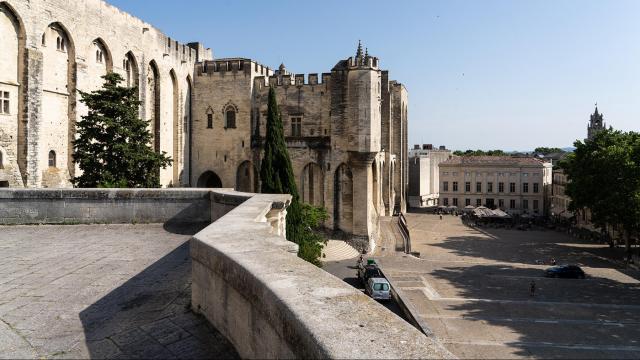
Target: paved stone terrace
100, 291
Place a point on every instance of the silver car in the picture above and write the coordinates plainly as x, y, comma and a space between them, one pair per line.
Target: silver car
378, 289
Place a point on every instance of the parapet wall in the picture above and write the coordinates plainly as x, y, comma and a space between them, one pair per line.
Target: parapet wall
246, 278
249, 283
87, 206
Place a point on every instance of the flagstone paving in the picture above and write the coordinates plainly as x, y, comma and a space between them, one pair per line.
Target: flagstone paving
100, 291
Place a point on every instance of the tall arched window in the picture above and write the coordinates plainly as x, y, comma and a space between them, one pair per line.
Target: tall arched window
230, 117
58, 43
44, 39
209, 118
52, 158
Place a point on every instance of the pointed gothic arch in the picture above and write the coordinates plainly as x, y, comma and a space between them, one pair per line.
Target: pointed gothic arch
107, 59
13, 53
131, 71
153, 102
61, 86
187, 129
177, 128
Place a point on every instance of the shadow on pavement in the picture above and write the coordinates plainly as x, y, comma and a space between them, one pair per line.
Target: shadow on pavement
560, 320
534, 247
149, 317
182, 228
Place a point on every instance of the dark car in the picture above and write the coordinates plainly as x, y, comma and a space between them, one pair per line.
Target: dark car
369, 271
565, 271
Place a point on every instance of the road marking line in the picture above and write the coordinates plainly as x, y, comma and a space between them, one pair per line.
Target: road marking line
543, 303
621, 323
429, 289
544, 344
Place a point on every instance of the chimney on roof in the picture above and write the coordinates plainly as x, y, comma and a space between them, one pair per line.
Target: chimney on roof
442, 147
416, 147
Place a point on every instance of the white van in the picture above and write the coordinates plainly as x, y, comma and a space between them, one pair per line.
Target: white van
378, 289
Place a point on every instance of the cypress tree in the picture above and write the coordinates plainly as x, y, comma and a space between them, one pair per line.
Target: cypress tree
276, 170
113, 145
277, 177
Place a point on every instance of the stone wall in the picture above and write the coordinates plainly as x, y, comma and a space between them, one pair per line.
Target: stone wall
55, 47
248, 282
339, 133
87, 206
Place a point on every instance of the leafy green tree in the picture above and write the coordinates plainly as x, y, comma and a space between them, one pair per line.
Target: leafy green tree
112, 146
604, 176
547, 150
479, 153
277, 177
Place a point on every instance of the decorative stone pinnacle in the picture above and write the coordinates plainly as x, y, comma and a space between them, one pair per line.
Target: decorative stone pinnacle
359, 51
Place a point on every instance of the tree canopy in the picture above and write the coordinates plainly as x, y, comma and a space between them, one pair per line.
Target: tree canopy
547, 150
112, 147
604, 176
480, 153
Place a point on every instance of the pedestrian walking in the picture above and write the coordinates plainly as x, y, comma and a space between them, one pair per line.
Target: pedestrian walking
532, 288
440, 217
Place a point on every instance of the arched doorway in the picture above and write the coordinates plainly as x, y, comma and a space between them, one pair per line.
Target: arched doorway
343, 199
312, 184
209, 179
246, 179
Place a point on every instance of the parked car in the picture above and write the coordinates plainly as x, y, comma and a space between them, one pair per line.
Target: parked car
365, 272
565, 271
378, 288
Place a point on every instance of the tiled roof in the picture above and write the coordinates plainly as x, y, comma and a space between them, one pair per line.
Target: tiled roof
492, 160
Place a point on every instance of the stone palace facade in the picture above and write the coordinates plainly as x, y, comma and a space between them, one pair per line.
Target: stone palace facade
346, 129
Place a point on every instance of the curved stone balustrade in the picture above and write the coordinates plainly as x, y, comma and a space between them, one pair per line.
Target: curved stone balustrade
248, 282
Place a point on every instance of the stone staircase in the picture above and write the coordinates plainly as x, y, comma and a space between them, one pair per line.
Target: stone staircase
337, 250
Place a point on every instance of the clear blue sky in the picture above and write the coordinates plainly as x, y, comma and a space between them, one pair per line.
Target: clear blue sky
507, 74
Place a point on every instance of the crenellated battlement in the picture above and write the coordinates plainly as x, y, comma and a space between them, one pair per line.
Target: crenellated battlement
294, 79
366, 62
233, 65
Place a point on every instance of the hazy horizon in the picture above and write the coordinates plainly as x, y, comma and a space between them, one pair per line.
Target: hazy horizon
480, 74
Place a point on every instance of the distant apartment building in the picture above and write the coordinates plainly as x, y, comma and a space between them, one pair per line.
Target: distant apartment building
559, 199
424, 175
517, 185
